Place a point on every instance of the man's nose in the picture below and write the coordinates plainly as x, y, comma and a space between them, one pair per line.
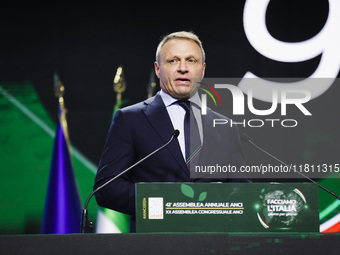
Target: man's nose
182, 67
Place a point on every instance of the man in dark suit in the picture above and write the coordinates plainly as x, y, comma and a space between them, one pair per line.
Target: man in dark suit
139, 129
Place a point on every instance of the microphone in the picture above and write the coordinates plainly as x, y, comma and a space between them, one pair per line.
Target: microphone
86, 226
246, 138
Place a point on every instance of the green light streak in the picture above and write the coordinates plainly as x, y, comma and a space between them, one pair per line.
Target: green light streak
91, 166
329, 209
208, 92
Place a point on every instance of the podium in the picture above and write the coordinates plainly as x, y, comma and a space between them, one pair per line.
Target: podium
227, 207
203, 218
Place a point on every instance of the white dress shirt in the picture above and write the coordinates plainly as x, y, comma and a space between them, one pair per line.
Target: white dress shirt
177, 113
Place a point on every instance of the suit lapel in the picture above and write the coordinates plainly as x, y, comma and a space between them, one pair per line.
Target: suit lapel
159, 119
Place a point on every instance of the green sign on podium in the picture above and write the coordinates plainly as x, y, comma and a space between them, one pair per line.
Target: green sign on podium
227, 207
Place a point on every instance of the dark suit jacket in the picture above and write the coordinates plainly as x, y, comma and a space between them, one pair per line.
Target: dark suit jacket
138, 130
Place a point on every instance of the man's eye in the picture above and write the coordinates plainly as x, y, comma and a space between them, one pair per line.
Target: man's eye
172, 61
192, 60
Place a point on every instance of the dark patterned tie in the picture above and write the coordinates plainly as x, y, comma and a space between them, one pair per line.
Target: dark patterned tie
193, 143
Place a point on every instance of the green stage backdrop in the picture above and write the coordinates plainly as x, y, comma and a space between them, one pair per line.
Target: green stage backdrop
26, 144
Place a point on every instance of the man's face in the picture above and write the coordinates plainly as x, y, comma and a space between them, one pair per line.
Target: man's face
180, 62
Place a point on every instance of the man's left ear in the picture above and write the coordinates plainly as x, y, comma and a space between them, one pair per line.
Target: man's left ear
203, 71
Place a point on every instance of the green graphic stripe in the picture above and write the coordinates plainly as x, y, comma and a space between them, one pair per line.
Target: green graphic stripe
27, 112
329, 209
46, 128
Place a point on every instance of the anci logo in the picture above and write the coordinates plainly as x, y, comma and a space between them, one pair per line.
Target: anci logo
281, 100
282, 209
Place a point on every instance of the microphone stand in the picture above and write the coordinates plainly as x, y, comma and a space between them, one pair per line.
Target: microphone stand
86, 226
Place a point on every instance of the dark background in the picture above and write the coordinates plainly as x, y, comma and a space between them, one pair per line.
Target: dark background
85, 43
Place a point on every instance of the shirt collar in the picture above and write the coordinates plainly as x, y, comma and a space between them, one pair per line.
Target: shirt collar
169, 100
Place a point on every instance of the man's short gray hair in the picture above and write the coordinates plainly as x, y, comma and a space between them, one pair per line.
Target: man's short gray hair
180, 35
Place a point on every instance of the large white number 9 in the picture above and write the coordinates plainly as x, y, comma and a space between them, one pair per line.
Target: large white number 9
326, 42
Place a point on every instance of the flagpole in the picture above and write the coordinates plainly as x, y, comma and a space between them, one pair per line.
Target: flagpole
59, 91
62, 212
119, 86
152, 83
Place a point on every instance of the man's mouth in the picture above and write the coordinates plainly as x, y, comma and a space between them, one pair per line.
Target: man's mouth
183, 80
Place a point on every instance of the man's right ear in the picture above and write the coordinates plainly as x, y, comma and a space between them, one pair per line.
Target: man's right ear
156, 69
